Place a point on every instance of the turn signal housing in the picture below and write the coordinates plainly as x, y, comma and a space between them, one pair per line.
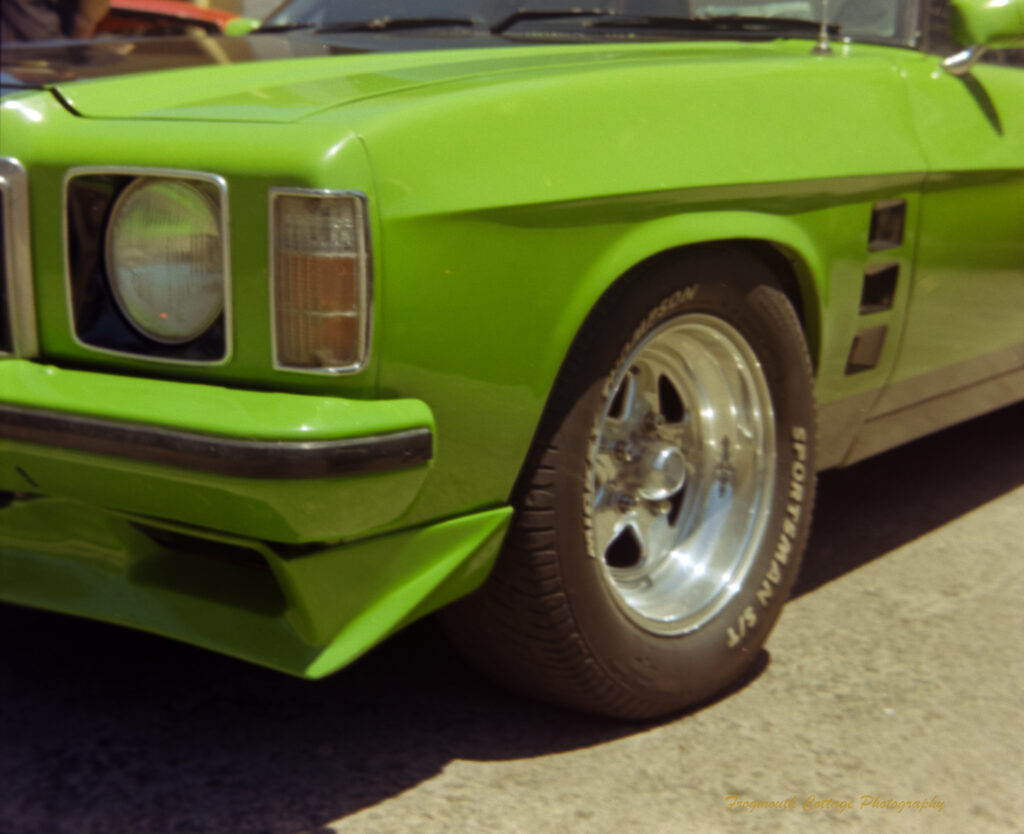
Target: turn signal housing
320, 280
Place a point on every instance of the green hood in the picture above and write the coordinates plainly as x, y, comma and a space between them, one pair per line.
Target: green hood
278, 80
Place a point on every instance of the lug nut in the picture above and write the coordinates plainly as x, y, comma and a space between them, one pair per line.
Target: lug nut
623, 452
654, 421
625, 503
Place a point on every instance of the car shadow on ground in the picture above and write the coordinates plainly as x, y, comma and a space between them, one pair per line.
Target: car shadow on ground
875, 506
106, 730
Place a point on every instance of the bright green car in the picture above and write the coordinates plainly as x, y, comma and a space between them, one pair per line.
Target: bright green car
546, 316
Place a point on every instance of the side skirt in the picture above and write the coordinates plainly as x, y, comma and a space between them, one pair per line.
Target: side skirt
913, 408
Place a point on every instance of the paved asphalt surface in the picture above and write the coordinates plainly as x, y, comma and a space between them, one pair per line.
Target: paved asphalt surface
895, 676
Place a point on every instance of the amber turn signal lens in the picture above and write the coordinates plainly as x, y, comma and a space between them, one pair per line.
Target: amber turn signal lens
320, 281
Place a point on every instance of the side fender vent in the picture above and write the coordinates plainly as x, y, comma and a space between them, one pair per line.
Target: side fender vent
866, 350
879, 288
888, 220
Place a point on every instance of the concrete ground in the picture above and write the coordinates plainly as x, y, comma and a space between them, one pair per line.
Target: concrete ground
895, 677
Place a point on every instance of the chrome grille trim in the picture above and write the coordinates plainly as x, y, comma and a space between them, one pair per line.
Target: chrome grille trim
16, 268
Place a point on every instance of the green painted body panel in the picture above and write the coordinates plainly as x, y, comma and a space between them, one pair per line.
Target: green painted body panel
289, 511
307, 616
968, 294
208, 409
995, 23
508, 189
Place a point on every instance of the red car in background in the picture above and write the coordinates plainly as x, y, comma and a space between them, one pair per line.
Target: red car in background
134, 18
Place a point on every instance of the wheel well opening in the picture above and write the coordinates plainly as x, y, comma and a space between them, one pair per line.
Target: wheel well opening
787, 268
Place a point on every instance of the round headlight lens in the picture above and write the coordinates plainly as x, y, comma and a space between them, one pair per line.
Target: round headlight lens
165, 259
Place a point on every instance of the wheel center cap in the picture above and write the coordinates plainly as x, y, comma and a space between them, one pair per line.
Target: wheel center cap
663, 469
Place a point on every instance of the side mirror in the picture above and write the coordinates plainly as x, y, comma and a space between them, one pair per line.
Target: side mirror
241, 26
980, 25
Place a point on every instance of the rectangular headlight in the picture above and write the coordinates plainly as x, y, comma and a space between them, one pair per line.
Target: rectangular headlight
148, 263
320, 276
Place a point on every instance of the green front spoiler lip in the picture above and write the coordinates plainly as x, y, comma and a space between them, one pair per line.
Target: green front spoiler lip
286, 468
307, 615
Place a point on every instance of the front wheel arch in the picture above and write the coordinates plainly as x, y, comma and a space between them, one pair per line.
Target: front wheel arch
789, 270
794, 263
548, 620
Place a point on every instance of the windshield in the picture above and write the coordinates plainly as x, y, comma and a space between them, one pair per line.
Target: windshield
887, 21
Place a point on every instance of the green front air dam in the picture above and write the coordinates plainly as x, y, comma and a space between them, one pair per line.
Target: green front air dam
307, 614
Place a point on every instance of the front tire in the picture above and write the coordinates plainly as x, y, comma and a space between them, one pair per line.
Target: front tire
661, 516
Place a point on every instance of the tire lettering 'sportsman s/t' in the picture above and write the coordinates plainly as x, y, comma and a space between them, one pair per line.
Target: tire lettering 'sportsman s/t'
543, 318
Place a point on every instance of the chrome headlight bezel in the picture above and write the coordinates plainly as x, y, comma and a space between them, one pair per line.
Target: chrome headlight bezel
97, 319
18, 335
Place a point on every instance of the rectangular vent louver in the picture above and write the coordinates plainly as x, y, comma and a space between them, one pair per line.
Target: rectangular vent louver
888, 221
866, 351
879, 290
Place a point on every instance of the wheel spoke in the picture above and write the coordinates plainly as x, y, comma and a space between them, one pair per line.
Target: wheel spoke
638, 404
606, 470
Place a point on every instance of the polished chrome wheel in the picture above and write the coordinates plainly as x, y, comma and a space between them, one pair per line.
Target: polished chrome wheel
682, 473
